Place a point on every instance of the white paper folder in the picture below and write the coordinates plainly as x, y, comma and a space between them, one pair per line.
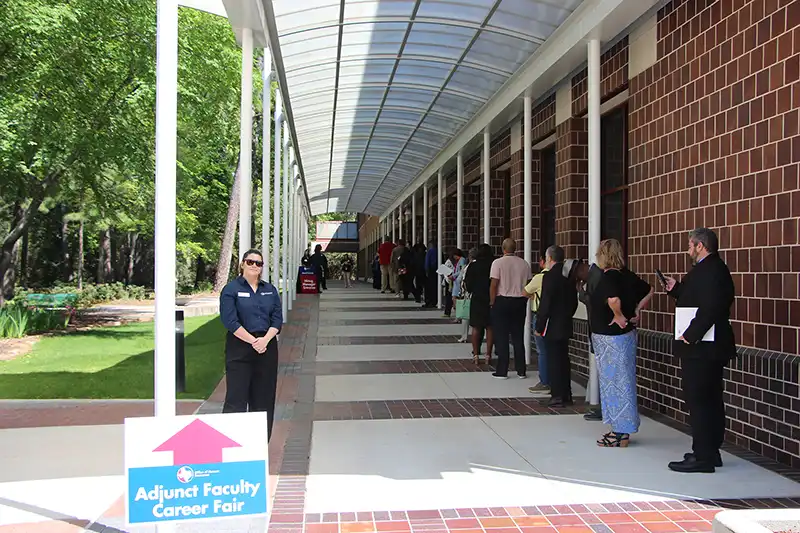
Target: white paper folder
684, 317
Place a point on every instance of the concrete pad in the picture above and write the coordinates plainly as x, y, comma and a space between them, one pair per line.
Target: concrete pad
394, 330
394, 352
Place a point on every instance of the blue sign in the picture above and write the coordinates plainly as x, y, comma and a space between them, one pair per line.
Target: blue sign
197, 491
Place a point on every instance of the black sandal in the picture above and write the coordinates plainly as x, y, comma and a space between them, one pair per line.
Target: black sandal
614, 440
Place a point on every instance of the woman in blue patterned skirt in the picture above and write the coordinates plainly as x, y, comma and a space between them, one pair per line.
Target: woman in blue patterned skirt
614, 314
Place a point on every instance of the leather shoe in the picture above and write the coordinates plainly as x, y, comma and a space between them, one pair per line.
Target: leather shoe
593, 415
717, 458
691, 465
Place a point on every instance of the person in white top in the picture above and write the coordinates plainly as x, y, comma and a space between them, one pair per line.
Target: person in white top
509, 274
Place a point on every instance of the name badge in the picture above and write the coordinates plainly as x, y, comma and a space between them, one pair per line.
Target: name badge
266, 293
244, 295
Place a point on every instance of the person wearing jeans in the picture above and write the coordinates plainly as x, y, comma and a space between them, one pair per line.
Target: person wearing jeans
509, 275
533, 291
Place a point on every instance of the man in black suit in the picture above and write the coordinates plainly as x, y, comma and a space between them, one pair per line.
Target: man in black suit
709, 288
554, 322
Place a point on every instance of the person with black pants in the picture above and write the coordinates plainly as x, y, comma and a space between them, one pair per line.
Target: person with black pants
509, 306
709, 289
554, 322
320, 264
250, 309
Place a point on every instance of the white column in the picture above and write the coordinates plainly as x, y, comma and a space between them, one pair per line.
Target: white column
165, 204
439, 223
292, 187
459, 200
276, 196
401, 219
594, 147
414, 218
394, 230
246, 145
287, 178
594, 187
487, 153
425, 208
527, 205
266, 197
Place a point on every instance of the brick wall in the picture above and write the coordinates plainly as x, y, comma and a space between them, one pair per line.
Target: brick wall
472, 222
571, 187
449, 222
714, 141
497, 211
516, 182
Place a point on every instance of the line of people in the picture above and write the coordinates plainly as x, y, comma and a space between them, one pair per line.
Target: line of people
406, 271
491, 295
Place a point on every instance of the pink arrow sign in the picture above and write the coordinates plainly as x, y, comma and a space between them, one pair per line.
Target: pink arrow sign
197, 443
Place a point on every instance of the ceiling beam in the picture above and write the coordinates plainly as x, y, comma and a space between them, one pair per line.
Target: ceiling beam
564, 51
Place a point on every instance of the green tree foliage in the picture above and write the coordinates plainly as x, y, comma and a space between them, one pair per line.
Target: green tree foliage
77, 136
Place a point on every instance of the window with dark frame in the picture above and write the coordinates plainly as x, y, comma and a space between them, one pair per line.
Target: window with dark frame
547, 230
614, 176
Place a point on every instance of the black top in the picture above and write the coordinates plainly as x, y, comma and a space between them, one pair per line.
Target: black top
477, 279
709, 287
622, 284
347, 265
557, 306
320, 264
255, 311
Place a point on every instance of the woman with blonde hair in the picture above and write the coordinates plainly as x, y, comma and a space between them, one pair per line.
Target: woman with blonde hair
613, 316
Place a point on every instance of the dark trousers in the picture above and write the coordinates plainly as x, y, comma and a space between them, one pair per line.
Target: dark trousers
703, 392
432, 289
559, 368
448, 301
251, 378
406, 282
508, 320
420, 281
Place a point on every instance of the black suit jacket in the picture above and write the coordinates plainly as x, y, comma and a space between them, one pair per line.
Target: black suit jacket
557, 306
709, 287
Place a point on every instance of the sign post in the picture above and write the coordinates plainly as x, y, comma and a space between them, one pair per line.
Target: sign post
196, 467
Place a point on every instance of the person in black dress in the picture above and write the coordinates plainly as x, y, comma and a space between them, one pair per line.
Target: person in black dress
477, 282
250, 309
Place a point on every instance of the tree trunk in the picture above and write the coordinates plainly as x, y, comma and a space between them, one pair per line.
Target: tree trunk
23, 270
80, 256
200, 272
19, 225
226, 251
8, 259
66, 261
108, 273
132, 240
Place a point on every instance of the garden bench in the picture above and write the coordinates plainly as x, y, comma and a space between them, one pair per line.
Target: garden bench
51, 301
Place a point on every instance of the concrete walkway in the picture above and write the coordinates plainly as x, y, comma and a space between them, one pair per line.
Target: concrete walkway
385, 424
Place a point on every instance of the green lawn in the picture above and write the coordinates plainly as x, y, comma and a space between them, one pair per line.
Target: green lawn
112, 362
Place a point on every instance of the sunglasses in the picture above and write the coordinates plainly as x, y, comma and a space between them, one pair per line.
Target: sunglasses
251, 262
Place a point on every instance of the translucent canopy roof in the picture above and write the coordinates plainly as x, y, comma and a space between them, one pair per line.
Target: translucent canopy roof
379, 87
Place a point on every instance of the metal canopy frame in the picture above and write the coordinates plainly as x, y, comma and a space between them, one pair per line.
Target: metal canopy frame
376, 88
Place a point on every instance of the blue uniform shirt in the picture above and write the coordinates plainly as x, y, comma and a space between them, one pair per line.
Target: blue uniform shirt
254, 311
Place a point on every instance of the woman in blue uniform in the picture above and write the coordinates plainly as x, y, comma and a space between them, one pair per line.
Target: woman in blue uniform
250, 309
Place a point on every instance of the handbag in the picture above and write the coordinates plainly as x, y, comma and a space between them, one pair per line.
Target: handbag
462, 308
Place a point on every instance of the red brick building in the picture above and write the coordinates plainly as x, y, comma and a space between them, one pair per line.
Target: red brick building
700, 127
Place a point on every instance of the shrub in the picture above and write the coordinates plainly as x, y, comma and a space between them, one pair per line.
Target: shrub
18, 319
